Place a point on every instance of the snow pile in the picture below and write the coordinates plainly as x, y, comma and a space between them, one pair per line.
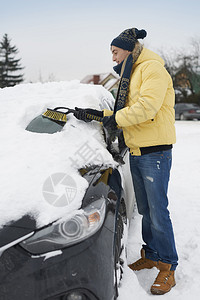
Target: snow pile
184, 199
29, 159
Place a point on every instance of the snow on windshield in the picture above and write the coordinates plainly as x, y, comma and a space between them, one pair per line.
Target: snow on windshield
33, 164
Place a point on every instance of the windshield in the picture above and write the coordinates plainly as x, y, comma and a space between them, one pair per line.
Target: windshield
44, 125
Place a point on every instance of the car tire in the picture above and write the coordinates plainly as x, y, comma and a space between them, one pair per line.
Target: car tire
182, 117
120, 248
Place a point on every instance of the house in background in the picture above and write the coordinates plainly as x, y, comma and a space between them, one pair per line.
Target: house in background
107, 80
187, 79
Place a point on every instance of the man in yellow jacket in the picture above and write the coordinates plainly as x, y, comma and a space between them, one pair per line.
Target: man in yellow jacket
144, 109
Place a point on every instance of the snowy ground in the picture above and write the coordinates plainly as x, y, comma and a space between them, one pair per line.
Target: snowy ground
184, 198
21, 172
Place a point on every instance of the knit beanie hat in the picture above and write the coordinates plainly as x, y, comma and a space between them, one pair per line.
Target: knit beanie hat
127, 39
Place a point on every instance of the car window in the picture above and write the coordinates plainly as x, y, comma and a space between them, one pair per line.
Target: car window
186, 105
44, 125
190, 105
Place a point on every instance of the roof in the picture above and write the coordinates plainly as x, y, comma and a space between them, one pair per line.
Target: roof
108, 80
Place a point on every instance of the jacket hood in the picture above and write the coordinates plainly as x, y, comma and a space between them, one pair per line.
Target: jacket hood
147, 55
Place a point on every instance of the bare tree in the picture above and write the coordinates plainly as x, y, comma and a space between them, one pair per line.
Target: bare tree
184, 68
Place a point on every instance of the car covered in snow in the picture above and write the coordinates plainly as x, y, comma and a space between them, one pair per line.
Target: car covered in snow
65, 218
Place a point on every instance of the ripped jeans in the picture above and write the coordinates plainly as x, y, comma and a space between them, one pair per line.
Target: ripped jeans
150, 174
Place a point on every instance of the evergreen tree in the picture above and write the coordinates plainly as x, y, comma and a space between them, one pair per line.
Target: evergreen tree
8, 64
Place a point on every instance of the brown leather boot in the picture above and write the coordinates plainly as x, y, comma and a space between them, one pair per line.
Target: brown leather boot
143, 263
164, 281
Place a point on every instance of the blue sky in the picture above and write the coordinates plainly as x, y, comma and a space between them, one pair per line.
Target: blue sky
70, 39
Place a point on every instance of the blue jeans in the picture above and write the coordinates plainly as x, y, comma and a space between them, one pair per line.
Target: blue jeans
150, 174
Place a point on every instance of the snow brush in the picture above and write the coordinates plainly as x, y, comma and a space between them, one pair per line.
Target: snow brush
56, 115
61, 116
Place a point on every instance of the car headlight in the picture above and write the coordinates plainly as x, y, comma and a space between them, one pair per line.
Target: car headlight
77, 228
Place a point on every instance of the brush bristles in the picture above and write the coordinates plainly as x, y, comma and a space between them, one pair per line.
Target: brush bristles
55, 115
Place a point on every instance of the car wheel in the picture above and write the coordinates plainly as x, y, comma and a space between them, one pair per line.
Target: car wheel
182, 117
120, 246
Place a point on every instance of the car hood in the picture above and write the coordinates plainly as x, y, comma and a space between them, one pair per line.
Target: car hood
13, 231
16, 230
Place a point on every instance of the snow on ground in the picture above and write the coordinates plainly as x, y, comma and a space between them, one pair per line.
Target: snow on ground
29, 159
184, 198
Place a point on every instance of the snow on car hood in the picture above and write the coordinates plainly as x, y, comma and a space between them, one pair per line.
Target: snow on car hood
37, 168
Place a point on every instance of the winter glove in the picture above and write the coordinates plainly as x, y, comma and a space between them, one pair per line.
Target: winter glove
109, 123
88, 114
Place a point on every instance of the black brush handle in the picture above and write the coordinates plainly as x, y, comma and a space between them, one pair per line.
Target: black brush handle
69, 110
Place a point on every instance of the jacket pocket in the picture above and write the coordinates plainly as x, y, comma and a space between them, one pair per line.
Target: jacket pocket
147, 132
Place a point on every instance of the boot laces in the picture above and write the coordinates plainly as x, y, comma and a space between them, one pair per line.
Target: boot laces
141, 262
163, 277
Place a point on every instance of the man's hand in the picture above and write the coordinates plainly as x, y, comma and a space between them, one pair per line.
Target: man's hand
80, 114
109, 123
88, 114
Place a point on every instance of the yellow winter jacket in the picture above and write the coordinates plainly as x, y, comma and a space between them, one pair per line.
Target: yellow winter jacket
148, 117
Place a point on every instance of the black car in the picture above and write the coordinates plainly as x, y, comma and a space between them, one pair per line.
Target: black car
187, 111
77, 258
